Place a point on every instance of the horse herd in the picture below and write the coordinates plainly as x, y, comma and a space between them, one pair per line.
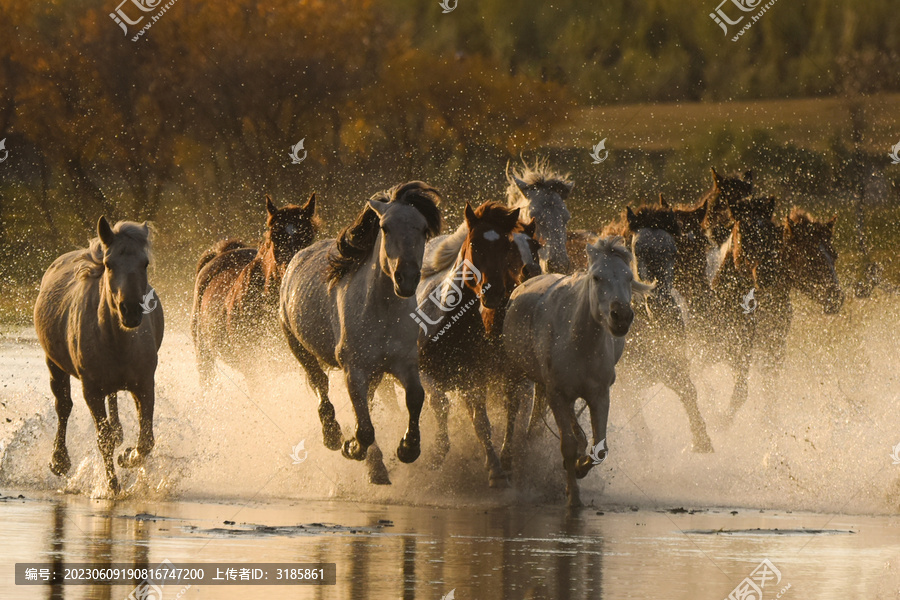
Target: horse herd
511, 300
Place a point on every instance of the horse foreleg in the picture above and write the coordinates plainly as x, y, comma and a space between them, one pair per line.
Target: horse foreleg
144, 399
440, 404
318, 379
378, 473
112, 402
564, 413
358, 387
514, 390
410, 446
97, 406
741, 358
598, 404
61, 386
676, 377
475, 402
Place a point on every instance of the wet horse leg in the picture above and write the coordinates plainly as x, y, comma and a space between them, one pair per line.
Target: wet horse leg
378, 473
61, 386
538, 408
410, 446
564, 413
741, 354
440, 404
676, 377
318, 379
475, 402
112, 401
514, 390
358, 385
144, 399
97, 406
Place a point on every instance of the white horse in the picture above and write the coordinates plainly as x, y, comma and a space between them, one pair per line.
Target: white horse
89, 318
566, 334
346, 304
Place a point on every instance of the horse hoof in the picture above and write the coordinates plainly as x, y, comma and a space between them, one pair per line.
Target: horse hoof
60, 464
353, 451
702, 446
117, 436
114, 486
408, 452
583, 466
130, 458
499, 481
379, 476
332, 436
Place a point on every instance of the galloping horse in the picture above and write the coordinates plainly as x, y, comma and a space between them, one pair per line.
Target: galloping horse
810, 258
541, 195
725, 191
475, 268
657, 347
89, 318
346, 304
566, 334
236, 289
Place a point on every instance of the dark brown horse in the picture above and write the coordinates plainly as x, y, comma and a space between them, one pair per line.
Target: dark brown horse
656, 348
725, 190
236, 290
810, 258
461, 306
692, 257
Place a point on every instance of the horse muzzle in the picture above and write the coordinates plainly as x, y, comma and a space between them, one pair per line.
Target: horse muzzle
620, 318
406, 280
131, 315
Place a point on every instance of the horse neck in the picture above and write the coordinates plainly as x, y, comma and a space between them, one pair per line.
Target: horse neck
582, 323
378, 285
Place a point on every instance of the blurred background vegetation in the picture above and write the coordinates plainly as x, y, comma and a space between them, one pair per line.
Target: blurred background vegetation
192, 124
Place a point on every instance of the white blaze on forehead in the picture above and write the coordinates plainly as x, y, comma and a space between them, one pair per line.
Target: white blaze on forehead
491, 235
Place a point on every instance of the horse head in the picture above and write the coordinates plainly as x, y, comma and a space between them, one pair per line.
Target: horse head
406, 221
611, 282
541, 195
725, 192
653, 230
529, 247
491, 249
290, 229
757, 241
810, 258
126, 255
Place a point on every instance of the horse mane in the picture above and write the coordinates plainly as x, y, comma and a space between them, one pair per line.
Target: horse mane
491, 213
356, 242
539, 174
92, 265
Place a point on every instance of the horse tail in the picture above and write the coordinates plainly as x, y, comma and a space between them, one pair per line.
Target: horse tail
221, 247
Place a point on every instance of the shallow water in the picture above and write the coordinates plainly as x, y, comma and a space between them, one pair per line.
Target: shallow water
408, 552
820, 446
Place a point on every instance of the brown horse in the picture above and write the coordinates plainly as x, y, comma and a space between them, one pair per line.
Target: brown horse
657, 348
89, 318
236, 289
725, 190
459, 344
810, 258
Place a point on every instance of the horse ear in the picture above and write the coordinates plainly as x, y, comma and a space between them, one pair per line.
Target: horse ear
703, 208
105, 231
565, 189
513, 218
530, 228
770, 207
592, 253
630, 217
309, 209
471, 218
270, 207
146, 226
748, 176
717, 180
831, 223
662, 201
378, 206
